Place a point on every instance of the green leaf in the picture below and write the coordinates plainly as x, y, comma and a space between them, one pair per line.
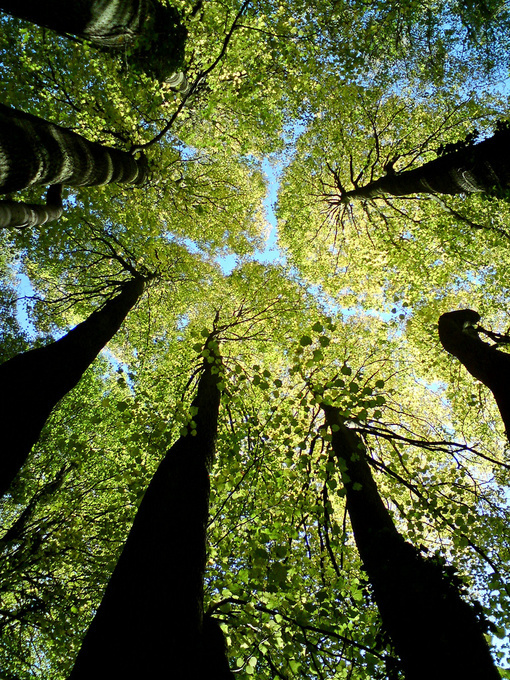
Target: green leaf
305, 340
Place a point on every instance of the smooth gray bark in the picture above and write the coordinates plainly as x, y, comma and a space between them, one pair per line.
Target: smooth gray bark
34, 152
150, 31
22, 215
483, 167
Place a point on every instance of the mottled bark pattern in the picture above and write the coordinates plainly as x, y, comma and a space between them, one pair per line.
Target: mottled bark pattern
483, 167
150, 621
36, 152
16, 214
150, 32
458, 335
434, 631
104, 22
32, 383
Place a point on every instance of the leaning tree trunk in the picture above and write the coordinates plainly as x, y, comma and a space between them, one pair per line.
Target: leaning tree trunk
23, 215
36, 152
32, 383
483, 167
151, 31
434, 631
459, 336
150, 623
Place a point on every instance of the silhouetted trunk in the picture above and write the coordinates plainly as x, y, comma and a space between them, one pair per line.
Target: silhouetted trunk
458, 335
36, 152
32, 383
153, 31
434, 631
150, 621
483, 167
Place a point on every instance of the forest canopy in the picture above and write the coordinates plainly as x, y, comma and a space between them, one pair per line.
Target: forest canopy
253, 340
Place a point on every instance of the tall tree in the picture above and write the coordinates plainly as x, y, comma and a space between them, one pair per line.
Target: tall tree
151, 621
22, 215
472, 168
152, 31
32, 383
34, 151
459, 334
434, 631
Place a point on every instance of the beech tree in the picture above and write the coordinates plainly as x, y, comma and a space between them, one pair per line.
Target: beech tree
39, 378
22, 215
347, 299
152, 32
473, 168
152, 611
36, 152
422, 610
459, 334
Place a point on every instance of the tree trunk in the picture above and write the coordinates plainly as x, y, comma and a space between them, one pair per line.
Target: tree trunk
103, 22
434, 631
459, 336
483, 167
36, 152
19, 215
153, 31
150, 621
32, 383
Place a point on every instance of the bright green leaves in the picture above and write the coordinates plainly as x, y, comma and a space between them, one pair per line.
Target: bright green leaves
318, 356
280, 545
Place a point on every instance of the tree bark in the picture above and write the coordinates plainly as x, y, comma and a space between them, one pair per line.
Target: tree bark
19, 215
434, 631
103, 22
153, 32
32, 383
459, 336
34, 152
483, 167
150, 622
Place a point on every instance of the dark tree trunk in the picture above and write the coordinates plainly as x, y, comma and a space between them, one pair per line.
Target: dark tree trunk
32, 383
36, 152
434, 631
15, 214
459, 336
150, 622
106, 22
483, 167
154, 32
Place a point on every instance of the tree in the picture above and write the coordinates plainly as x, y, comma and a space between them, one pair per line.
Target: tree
473, 168
429, 623
151, 617
459, 335
151, 32
22, 215
283, 571
34, 382
37, 152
